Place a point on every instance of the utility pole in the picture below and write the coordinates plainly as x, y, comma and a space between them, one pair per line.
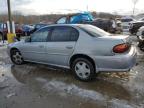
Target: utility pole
87, 8
9, 15
10, 34
134, 2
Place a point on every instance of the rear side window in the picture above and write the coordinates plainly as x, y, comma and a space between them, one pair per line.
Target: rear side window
64, 33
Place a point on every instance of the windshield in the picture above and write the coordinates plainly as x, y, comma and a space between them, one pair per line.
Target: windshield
94, 31
126, 20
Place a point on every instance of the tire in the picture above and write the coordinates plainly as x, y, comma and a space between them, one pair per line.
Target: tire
83, 69
16, 57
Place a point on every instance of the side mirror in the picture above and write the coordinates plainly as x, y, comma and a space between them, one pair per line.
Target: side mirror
16, 39
28, 39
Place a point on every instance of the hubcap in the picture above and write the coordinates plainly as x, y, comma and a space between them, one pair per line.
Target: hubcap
17, 57
82, 69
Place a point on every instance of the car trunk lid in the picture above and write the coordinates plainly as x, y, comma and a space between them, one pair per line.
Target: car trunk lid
124, 38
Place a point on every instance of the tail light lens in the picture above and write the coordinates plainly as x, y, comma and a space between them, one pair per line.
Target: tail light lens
121, 48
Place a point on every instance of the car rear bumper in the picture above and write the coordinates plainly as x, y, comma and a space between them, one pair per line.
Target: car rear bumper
116, 63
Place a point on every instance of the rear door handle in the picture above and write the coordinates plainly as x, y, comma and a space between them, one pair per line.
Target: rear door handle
69, 47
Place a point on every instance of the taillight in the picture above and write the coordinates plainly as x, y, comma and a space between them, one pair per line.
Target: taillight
121, 48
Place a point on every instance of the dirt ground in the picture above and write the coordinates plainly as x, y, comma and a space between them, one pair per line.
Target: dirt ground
39, 86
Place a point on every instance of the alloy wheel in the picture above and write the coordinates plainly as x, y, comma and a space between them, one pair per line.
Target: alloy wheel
17, 57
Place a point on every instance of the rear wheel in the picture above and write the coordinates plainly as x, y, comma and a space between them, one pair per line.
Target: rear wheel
16, 57
83, 69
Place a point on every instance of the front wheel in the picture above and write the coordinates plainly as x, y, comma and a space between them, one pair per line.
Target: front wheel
16, 57
83, 69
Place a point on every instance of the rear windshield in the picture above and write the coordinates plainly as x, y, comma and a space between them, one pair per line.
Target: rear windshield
94, 31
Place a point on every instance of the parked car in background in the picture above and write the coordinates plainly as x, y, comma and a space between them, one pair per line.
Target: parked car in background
119, 26
141, 32
38, 26
141, 42
18, 30
85, 49
85, 18
75, 18
135, 26
4, 30
27, 30
125, 23
141, 19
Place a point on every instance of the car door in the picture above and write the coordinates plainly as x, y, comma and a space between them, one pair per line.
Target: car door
61, 45
35, 50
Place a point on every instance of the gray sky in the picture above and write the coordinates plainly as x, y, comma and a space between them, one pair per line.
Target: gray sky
65, 6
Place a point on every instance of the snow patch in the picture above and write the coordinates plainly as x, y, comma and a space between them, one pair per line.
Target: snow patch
115, 103
3, 44
41, 79
61, 87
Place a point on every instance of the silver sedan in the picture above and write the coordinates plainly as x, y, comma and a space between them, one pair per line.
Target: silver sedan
84, 49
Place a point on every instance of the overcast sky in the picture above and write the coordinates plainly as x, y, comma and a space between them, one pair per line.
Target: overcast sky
55, 6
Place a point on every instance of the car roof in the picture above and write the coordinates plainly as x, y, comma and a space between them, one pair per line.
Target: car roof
74, 14
57, 25
41, 24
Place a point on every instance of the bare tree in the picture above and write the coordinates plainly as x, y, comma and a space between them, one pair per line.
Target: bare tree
134, 2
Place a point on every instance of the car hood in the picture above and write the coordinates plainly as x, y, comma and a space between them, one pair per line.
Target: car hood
15, 44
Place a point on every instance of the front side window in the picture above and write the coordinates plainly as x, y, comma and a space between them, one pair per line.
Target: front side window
41, 35
62, 34
62, 20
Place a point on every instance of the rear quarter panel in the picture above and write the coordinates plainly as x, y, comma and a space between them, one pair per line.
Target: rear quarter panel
95, 46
